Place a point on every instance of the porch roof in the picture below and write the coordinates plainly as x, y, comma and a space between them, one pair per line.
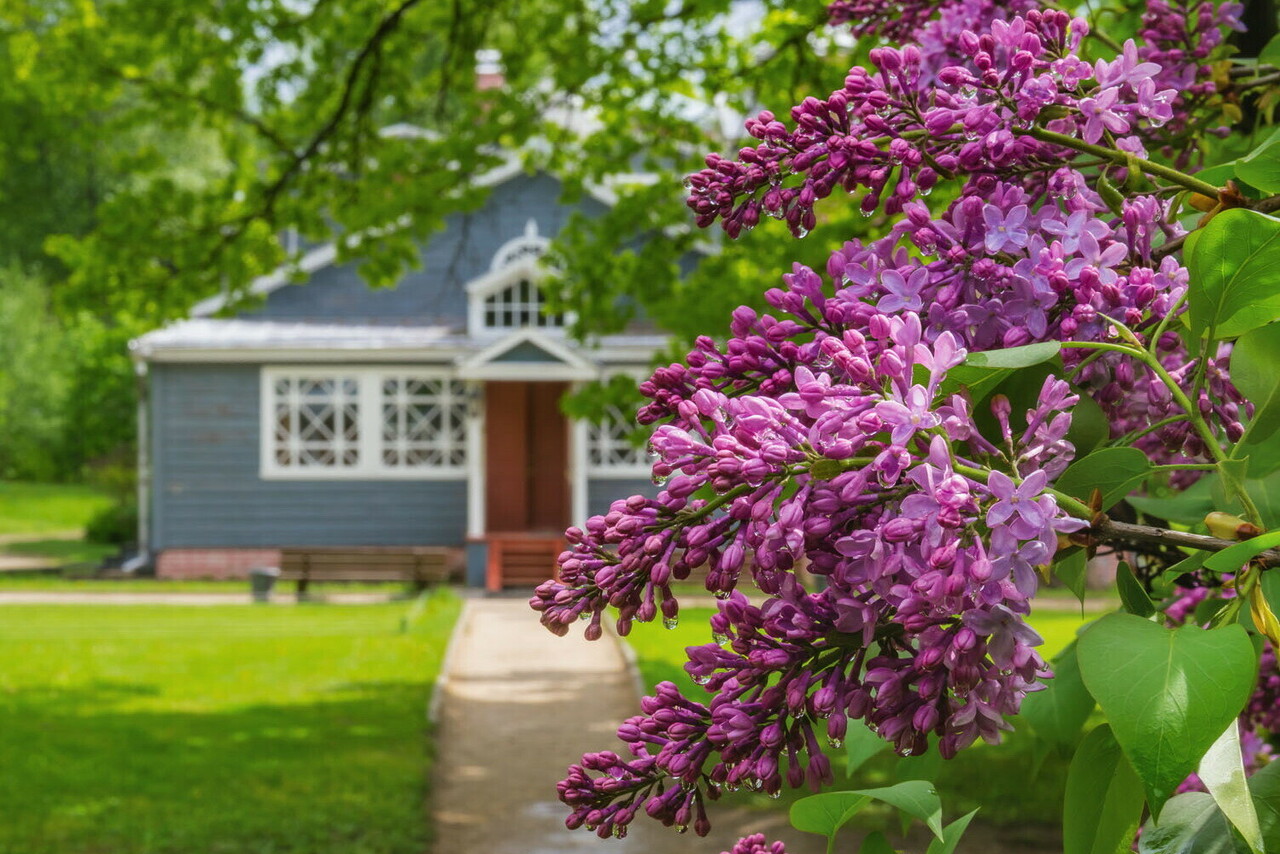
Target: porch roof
214, 340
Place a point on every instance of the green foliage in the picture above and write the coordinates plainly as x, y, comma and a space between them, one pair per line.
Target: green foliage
116, 525
229, 728
1235, 274
1059, 712
1103, 807
1222, 772
1135, 599
39, 508
1115, 472
35, 384
1167, 693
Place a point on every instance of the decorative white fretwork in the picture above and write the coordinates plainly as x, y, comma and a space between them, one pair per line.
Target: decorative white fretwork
529, 246
611, 451
363, 422
317, 422
424, 422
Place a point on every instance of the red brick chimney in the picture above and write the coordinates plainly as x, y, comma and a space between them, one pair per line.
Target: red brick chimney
489, 70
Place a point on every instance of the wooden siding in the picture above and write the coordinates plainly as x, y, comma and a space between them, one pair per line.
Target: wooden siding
207, 492
433, 293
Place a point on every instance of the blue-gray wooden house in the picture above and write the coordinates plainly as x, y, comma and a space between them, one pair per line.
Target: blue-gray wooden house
424, 415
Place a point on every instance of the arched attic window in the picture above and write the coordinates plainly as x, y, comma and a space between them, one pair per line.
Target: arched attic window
509, 296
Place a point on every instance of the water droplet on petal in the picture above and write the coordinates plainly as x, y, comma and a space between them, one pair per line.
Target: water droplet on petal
722, 595
775, 795
670, 622
701, 679
682, 828
837, 743
719, 638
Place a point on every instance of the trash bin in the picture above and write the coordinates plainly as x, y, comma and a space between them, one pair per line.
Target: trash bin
261, 580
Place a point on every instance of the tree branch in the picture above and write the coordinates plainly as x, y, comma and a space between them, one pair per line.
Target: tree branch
1109, 531
368, 52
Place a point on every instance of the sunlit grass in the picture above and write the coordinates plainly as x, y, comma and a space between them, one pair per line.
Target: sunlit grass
220, 729
46, 508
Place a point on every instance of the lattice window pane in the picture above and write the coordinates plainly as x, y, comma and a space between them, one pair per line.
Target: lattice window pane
518, 305
610, 444
424, 423
317, 422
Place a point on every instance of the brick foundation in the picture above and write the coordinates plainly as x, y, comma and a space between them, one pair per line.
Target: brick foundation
213, 563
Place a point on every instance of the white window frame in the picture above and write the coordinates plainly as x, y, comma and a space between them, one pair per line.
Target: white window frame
598, 433
370, 441
518, 259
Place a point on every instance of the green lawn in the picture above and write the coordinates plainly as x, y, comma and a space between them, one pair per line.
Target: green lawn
62, 552
236, 729
46, 508
51, 582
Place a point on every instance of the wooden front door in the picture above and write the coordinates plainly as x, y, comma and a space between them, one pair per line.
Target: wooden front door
526, 458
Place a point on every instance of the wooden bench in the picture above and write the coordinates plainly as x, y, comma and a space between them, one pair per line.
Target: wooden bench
417, 565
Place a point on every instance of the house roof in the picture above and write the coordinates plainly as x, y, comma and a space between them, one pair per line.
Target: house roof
208, 340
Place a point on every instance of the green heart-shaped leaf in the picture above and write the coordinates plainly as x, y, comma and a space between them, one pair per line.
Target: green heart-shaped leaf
1168, 693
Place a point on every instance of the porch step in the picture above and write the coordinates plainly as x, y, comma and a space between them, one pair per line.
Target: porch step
521, 560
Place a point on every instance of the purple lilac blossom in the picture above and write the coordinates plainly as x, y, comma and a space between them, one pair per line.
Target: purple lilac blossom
875, 479
829, 438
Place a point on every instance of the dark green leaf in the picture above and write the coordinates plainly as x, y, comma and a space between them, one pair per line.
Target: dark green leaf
1073, 571
1112, 197
1114, 471
1015, 357
1132, 596
1103, 805
876, 843
1235, 274
1270, 53
860, 744
1188, 507
951, 835
826, 813
1090, 426
1190, 824
1218, 175
1059, 712
1168, 693
1255, 370
916, 798
982, 372
1260, 168
1265, 788
1222, 772
1231, 559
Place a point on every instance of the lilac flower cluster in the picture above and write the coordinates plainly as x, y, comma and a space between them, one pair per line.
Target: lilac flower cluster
1180, 36
864, 469
829, 436
893, 131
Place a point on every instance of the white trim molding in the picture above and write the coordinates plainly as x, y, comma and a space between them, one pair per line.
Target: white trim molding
564, 363
363, 423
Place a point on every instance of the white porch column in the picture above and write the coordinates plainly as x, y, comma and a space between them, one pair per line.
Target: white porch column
475, 461
578, 462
